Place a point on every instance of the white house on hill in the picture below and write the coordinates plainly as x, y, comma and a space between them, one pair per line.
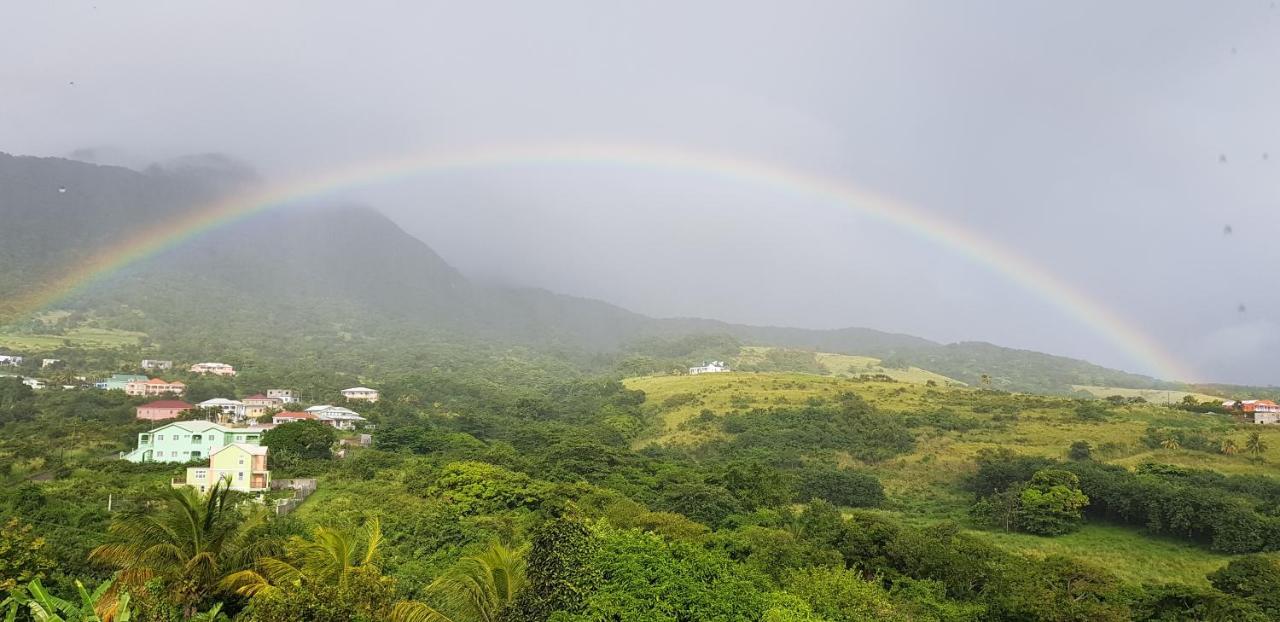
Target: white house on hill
336, 416
220, 369
360, 393
233, 411
709, 368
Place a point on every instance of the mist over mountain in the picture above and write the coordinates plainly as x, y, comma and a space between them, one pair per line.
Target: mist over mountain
326, 272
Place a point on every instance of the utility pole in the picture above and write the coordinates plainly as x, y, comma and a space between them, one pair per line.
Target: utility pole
108, 503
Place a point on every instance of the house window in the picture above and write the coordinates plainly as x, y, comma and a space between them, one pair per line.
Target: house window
239, 438
200, 474
240, 476
241, 459
195, 438
159, 437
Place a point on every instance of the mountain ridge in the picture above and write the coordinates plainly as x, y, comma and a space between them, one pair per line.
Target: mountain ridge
350, 266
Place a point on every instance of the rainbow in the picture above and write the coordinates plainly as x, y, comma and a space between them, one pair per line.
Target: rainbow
1144, 351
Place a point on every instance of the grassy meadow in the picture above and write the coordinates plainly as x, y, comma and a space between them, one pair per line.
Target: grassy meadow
82, 337
1155, 396
923, 485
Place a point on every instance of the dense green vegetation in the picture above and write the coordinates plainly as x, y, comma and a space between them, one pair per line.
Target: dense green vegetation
502, 489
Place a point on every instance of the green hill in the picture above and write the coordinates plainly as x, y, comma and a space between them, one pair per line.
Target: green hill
314, 276
952, 426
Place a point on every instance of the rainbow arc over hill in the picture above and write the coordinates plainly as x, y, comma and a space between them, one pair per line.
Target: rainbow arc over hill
1144, 350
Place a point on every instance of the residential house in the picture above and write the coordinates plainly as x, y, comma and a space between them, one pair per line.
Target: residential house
154, 387
336, 416
6, 359
232, 410
156, 364
257, 405
241, 466
163, 409
34, 383
364, 394
117, 382
713, 367
218, 369
286, 396
290, 417
49, 362
1260, 411
183, 441
1263, 411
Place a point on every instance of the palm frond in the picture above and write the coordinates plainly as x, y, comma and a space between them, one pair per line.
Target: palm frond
413, 611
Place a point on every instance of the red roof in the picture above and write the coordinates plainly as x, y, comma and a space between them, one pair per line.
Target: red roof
259, 397
163, 381
168, 404
294, 415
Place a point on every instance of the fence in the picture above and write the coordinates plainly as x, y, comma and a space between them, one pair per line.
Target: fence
302, 488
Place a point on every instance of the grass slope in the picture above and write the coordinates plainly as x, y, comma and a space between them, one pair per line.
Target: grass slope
923, 486
83, 337
1155, 396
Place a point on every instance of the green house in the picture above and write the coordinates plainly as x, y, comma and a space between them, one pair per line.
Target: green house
184, 441
117, 381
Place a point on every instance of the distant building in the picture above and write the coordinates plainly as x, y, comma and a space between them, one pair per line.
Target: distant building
117, 382
290, 417
156, 364
286, 396
709, 368
360, 393
218, 369
49, 362
232, 410
184, 441
241, 466
6, 359
163, 409
1260, 411
257, 405
34, 383
336, 416
154, 387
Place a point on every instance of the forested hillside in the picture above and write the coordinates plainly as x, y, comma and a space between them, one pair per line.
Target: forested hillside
304, 276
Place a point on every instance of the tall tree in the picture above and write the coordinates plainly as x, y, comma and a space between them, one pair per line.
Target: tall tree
190, 544
561, 571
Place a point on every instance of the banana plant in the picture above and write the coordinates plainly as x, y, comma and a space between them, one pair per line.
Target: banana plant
45, 607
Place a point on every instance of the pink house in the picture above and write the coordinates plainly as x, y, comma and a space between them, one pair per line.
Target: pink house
163, 409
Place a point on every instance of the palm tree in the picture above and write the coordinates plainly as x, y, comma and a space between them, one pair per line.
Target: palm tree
190, 543
476, 589
1229, 447
329, 556
1170, 443
1255, 445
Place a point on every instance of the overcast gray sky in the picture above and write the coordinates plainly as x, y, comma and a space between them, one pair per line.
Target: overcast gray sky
1085, 136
